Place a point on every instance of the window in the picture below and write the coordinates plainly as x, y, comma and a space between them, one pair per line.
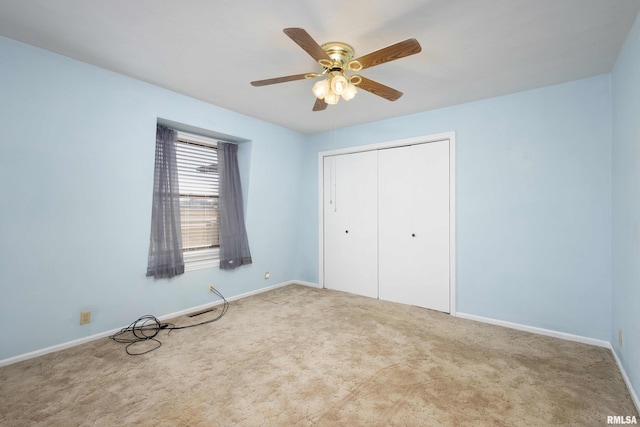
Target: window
198, 178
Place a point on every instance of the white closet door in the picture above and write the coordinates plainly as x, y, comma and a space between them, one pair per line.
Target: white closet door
350, 223
413, 191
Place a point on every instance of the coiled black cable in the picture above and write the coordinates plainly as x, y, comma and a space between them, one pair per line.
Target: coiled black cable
147, 327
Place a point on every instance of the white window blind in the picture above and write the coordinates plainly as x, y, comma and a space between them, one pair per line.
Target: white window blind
197, 160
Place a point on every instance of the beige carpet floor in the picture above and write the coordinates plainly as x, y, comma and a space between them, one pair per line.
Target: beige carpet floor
299, 356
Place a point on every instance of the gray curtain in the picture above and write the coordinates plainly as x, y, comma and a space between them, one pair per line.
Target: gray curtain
165, 248
234, 244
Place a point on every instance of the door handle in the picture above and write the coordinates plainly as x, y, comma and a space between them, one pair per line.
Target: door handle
413, 234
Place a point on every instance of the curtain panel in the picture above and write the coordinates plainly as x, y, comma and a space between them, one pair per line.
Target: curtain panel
234, 243
165, 248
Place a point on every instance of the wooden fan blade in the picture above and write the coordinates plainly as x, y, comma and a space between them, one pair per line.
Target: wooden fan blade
279, 80
306, 42
390, 53
319, 105
379, 89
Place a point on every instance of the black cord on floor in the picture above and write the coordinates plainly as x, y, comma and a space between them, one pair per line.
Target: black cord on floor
147, 327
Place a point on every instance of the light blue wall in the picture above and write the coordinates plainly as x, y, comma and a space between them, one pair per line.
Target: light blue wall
533, 202
76, 169
626, 206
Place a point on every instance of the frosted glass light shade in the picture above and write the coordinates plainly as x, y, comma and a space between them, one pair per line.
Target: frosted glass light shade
332, 98
349, 92
321, 89
338, 84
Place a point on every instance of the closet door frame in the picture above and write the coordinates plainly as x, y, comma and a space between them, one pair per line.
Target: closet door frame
451, 137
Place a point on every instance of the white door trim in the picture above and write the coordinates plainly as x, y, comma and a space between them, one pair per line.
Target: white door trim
451, 136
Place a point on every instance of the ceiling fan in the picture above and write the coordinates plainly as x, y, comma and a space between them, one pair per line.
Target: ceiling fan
336, 59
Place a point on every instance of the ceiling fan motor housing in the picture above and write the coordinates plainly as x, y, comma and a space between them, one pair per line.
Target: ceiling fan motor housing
341, 55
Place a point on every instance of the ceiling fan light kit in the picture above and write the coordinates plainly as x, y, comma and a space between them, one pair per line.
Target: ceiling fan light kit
336, 58
333, 87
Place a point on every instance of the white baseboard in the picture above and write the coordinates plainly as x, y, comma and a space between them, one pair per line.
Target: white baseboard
627, 380
535, 330
69, 344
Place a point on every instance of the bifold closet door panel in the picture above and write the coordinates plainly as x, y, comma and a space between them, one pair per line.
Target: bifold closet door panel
351, 223
413, 209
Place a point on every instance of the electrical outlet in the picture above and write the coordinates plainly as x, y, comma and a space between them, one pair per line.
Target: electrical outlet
85, 317
211, 287
266, 275
620, 337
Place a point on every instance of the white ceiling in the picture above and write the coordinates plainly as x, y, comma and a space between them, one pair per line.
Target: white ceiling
212, 49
